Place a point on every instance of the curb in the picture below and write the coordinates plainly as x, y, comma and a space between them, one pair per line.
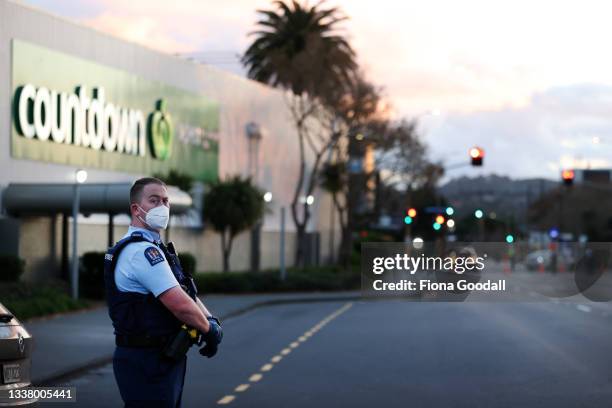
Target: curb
70, 373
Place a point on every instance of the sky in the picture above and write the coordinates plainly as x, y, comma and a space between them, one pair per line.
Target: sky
528, 81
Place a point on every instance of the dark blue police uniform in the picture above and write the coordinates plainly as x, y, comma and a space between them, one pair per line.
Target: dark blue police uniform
143, 326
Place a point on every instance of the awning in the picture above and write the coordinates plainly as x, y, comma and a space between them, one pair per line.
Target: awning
49, 199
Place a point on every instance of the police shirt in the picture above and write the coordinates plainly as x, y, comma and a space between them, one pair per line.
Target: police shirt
142, 267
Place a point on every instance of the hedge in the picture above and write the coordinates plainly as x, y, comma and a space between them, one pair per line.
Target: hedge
26, 300
309, 279
11, 268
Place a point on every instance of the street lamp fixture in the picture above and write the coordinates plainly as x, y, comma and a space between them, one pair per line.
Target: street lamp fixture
80, 176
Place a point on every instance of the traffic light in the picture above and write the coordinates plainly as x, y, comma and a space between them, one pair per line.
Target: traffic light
509, 238
440, 219
437, 226
479, 213
568, 177
476, 154
410, 215
450, 210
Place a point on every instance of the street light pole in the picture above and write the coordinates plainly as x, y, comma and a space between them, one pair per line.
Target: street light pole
283, 272
80, 177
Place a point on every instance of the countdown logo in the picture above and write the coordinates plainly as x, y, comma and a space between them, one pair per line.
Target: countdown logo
92, 122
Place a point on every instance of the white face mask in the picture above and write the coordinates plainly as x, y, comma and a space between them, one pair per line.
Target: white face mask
157, 217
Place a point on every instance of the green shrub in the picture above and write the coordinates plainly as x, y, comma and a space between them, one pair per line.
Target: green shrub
11, 268
91, 275
188, 262
26, 300
309, 279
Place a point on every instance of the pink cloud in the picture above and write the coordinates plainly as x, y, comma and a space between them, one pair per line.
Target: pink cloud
459, 57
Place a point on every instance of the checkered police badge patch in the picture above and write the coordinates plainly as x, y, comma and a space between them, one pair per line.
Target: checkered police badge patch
153, 255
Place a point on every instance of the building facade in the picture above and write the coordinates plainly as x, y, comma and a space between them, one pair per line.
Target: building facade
75, 98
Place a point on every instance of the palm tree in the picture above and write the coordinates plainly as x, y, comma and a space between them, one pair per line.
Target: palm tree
298, 47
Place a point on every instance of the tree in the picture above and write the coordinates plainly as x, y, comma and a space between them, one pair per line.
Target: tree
232, 206
176, 178
358, 107
402, 157
298, 48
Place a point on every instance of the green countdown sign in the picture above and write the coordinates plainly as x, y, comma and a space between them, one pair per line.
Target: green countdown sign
72, 111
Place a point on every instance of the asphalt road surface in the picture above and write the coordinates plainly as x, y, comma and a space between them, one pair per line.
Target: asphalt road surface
396, 353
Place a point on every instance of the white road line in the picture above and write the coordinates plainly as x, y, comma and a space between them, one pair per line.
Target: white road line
583, 308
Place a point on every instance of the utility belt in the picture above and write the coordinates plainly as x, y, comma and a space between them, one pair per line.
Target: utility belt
174, 346
142, 341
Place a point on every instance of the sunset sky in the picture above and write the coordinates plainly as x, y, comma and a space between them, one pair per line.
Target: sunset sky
529, 81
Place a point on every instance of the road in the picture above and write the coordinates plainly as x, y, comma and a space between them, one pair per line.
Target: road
397, 353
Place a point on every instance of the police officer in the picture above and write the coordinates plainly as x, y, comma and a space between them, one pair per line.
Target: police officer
153, 305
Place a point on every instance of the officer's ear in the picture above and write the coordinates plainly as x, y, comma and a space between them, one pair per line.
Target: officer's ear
133, 209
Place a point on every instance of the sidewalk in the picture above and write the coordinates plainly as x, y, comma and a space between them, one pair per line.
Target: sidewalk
66, 344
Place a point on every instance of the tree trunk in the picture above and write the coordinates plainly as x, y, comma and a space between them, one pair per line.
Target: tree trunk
346, 247
226, 248
300, 253
300, 226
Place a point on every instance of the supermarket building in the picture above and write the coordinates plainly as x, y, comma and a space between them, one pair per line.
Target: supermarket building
74, 98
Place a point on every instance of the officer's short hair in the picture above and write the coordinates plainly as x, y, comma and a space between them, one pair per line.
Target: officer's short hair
139, 185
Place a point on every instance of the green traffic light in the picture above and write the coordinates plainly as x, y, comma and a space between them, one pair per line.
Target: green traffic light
408, 220
479, 214
509, 238
436, 226
450, 210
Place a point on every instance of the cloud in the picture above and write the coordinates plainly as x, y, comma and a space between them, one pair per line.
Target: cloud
555, 130
192, 25
506, 75
453, 56
142, 30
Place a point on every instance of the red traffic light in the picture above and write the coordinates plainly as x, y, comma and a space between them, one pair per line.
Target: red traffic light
476, 154
568, 177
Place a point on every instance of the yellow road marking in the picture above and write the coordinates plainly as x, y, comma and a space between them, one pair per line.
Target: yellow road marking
255, 377
226, 400
267, 367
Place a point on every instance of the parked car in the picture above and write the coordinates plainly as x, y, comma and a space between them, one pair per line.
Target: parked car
15, 355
